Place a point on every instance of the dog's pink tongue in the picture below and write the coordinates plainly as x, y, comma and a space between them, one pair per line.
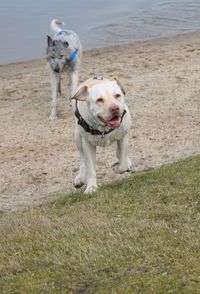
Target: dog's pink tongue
113, 123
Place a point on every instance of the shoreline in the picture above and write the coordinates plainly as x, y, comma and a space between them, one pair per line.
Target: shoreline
39, 159
159, 39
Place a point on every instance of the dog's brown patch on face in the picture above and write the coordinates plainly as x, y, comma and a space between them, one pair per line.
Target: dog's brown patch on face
119, 84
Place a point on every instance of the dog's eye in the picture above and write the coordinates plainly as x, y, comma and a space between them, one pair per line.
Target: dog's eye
117, 96
52, 57
100, 101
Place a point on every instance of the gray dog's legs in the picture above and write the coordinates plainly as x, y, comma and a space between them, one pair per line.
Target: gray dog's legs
55, 88
73, 82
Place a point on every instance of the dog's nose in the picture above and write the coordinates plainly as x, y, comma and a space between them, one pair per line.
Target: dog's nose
57, 69
114, 108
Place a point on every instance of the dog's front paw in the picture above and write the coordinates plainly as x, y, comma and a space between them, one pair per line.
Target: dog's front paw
90, 189
53, 117
122, 168
78, 182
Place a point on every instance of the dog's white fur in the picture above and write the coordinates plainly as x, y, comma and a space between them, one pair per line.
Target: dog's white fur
71, 68
55, 25
101, 103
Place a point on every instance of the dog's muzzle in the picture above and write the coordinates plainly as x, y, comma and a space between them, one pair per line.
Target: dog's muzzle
56, 69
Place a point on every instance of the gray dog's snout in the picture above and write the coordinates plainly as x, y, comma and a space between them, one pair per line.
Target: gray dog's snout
57, 68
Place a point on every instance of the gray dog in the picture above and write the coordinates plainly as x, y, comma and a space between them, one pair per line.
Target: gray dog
63, 55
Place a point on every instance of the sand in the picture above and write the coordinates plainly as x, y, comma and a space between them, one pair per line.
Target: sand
39, 159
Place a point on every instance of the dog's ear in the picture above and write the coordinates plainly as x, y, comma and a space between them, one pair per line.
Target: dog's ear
119, 84
49, 41
82, 94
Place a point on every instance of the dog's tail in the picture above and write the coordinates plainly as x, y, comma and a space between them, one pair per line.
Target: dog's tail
55, 25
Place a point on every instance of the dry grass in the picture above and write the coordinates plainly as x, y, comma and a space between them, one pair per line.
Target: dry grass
140, 235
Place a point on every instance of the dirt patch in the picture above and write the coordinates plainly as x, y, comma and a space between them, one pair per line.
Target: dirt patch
39, 158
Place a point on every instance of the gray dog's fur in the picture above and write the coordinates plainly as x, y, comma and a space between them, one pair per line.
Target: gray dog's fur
60, 49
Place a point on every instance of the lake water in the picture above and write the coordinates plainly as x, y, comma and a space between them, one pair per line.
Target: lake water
24, 24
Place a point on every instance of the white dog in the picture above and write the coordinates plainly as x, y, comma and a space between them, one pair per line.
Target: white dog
64, 53
102, 119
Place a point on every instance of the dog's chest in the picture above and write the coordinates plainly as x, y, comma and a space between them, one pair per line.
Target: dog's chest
106, 140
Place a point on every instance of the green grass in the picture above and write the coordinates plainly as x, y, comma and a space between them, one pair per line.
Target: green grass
140, 235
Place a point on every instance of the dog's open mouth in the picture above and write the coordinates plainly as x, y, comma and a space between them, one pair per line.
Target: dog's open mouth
114, 122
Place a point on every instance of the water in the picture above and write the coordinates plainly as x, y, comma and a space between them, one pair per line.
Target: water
24, 24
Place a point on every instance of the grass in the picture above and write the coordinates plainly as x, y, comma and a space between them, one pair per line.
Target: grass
141, 235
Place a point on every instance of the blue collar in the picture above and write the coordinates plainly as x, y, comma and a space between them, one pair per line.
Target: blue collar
73, 55
62, 31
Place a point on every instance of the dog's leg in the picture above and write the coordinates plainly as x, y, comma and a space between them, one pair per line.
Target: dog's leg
59, 87
124, 163
80, 179
90, 160
73, 82
55, 82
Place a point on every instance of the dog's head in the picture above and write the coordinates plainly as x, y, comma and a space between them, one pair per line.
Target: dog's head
58, 53
105, 99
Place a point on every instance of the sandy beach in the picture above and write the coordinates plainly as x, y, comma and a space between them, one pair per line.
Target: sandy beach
39, 159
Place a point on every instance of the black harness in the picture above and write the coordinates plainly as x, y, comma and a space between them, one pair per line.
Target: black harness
88, 128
